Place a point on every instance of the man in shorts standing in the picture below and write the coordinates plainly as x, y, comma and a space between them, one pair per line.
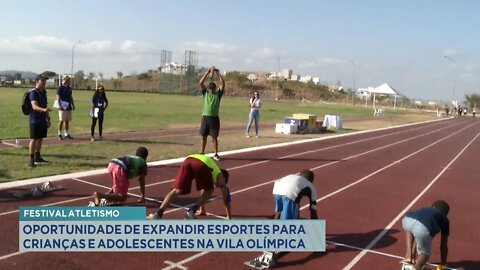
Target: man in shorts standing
66, 105
207, 176
211, 104
39, 120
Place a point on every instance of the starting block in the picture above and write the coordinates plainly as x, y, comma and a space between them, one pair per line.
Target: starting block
264, 261
36, 191
104, 202
409, 266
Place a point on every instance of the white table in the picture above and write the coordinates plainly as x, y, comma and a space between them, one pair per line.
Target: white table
335, 121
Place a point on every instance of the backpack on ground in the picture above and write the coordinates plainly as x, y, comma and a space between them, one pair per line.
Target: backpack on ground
26, 104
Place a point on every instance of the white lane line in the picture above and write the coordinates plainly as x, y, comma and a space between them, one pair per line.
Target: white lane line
402, 213
50, 204
182, 262
11, 255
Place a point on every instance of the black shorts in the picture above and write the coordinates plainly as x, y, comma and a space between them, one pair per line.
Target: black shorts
38, 131
210, 126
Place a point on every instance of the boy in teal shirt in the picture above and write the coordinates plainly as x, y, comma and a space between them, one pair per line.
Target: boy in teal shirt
121, 170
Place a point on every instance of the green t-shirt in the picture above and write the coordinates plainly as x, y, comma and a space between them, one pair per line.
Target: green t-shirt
211, 102
133, 165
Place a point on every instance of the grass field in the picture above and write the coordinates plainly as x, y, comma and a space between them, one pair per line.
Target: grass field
142, 112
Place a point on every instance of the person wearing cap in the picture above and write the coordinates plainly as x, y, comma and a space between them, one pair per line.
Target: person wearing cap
66, 105
211, 103
39, 120
207, 176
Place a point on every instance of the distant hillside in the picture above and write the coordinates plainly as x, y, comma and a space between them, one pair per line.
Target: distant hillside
25, 74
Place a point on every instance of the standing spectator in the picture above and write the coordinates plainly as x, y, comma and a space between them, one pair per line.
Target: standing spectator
99, 105
39, 120
66, 105
459, 112
255, 105
211, 104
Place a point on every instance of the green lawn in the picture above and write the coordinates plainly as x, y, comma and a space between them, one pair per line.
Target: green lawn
145, 111
139, 112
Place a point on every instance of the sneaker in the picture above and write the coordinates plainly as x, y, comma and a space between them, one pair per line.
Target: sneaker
68, 137
153, 216
105, 202
40, 160
216, 157
246, 135
91, 204
92, 139
256, 136
190, 215
60, 137
100, 138
265, 261
31, 164
48, 187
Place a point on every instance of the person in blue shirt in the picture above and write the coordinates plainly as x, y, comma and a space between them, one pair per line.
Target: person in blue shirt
99, 105
420, 227
39, 120
66, 105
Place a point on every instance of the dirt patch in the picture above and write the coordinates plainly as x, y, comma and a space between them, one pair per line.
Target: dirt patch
386, 121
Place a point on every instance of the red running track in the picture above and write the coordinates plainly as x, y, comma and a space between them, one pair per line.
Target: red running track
366, 182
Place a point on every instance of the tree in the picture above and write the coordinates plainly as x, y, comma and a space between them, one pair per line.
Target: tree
91, 75
472, 100
78, 78
143, 76
50, 74
236, 76
119, 74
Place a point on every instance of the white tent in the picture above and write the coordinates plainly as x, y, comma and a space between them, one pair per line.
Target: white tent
384, 89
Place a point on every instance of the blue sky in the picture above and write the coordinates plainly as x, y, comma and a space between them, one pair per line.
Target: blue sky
367, 42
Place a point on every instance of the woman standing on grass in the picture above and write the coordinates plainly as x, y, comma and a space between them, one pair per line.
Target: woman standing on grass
255, 105
99, 105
